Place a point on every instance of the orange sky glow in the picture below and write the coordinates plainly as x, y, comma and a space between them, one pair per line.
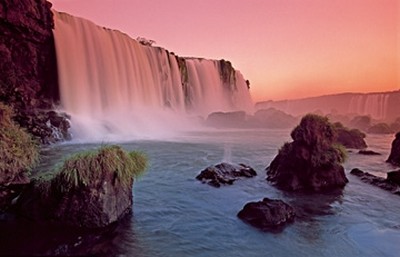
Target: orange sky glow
286, 48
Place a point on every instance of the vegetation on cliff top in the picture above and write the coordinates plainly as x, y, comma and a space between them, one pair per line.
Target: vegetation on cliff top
19, 152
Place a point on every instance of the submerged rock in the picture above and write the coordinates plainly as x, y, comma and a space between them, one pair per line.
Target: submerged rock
394, 157
225, 173
312, 162
391, 183
368, 152
268, 214
90, 190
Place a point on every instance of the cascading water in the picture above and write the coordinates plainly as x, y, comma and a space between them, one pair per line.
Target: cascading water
112, 85
375, 105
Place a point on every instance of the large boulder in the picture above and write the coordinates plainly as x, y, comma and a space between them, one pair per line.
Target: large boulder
225, 173
91, 189
394, 157
312, 162
268, 214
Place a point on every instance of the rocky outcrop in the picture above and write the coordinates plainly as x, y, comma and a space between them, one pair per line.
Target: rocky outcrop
225, 173
268, 214
312, 162
91, 189
391, 183
28, 68
350, 138
394, 157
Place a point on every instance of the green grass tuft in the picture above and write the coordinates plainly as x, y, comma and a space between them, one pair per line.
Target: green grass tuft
92, 167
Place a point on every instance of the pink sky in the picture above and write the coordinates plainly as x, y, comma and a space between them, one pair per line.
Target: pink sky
286, 48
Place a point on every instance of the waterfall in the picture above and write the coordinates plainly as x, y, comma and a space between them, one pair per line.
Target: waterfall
374, 104
113, 85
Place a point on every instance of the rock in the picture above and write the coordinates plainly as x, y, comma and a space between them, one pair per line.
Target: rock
361, 122
387, 184
350, 138
380, 128
394, 157
226, 119
394, 176
312, 162
225, 173
91, 189
268, 214
272, 118
368, 152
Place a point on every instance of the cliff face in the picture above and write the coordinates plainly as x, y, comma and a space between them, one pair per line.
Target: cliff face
28, 70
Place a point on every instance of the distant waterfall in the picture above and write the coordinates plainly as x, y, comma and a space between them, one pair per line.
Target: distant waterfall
375, 105
113, 85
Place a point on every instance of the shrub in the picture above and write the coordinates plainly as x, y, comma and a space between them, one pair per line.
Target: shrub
314, 130
19, 152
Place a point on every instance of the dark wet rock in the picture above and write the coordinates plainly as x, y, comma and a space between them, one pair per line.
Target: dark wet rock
388, 184
394, 157
368, 152
350, 138
268, 214
394, 176
312, 162
225, 173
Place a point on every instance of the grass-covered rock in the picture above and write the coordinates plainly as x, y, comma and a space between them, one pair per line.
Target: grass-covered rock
312, 162
90, 189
